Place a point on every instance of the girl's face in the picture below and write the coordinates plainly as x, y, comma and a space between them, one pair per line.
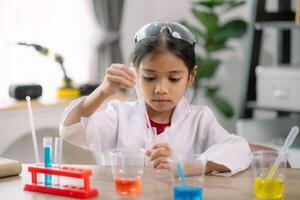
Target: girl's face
163, 80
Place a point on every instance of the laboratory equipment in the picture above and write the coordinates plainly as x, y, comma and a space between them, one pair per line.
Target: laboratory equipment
127, 169
47, 145
261, 163
75, 191
36, 153
288, 142
191, 187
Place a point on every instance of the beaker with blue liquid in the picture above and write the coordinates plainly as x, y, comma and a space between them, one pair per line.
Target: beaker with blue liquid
188, 175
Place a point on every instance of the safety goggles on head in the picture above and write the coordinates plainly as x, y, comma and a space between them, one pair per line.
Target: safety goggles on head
177, 31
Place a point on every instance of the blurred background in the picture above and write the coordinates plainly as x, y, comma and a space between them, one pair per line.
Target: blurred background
90, 35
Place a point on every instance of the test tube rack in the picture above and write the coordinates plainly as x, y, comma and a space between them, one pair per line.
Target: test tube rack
63, 190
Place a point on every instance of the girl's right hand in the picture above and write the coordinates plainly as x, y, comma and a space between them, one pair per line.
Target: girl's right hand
159, 154
118, 76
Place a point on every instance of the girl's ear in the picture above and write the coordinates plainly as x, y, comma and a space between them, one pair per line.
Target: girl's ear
192, 75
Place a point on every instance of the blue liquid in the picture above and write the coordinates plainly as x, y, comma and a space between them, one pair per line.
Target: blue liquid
48, 163
187, 193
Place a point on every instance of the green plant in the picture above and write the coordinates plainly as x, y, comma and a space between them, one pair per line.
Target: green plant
212, 36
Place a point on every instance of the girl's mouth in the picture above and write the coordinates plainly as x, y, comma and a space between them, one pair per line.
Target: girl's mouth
161, 102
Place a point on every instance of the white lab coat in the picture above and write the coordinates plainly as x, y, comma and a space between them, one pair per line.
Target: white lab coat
193, 130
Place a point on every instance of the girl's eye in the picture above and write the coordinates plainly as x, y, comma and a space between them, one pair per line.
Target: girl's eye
149, 78
173, 79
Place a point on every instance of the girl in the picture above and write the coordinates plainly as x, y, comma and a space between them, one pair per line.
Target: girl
164, 59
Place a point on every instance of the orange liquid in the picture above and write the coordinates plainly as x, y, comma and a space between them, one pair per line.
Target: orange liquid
128, 186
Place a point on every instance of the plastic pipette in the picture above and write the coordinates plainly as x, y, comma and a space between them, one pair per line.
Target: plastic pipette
142, 104
181, 174
288, 142
36, 153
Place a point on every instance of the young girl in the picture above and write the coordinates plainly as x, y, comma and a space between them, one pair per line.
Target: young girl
164, 60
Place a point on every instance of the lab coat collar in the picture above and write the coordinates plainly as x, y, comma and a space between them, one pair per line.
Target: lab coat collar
182, 108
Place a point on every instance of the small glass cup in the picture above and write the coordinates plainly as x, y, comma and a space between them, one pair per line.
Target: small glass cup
127, 166
262, 163
193, 169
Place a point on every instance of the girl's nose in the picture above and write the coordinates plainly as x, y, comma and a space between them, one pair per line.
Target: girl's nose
161, 87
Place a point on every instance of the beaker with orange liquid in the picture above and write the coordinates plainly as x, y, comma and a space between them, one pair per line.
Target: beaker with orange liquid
127, 169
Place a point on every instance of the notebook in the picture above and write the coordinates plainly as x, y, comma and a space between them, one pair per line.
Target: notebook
9, 167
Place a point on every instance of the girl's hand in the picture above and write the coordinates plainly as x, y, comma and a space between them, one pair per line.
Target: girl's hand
118, 76
159, 154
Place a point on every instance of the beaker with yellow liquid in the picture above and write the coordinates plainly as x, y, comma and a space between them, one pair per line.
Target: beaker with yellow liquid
264, 188
269, 189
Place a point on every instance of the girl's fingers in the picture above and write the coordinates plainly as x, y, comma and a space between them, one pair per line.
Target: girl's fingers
133, 71
126, 69
161, 152
159, 155
121, 73
161, 145
164, 166
159, 161
149, 152
118, 76
120, 81
160, 149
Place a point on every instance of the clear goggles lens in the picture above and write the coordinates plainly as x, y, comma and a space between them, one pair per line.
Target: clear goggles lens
177, 31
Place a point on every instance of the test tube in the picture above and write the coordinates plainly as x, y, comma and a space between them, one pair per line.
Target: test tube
57, 158
47, 144
57, 151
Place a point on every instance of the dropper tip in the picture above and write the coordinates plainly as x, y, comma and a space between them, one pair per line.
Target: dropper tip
296, 128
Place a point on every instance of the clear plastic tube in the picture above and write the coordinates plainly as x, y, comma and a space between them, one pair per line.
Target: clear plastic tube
57, 159
150, 134
36, 152
288, 142
57, 151
47, 145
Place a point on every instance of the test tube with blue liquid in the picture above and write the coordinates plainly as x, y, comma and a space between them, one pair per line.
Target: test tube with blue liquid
47, 144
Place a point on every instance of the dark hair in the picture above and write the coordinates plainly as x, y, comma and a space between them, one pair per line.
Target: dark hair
164, 42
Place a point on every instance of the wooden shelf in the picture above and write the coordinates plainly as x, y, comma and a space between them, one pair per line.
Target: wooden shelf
12, 104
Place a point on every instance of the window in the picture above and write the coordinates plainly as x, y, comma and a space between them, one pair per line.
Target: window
67, 27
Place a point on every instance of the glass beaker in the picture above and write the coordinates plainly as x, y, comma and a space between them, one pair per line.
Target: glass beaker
127, 166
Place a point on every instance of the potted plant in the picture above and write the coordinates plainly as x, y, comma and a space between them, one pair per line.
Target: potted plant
213, 36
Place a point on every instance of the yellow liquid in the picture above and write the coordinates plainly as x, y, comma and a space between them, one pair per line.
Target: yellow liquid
272, 189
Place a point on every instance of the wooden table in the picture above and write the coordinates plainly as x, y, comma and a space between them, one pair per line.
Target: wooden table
155, 186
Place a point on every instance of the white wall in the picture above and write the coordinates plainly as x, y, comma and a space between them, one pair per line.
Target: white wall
69, 26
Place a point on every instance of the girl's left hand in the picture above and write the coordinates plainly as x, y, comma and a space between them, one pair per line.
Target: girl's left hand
159, 154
